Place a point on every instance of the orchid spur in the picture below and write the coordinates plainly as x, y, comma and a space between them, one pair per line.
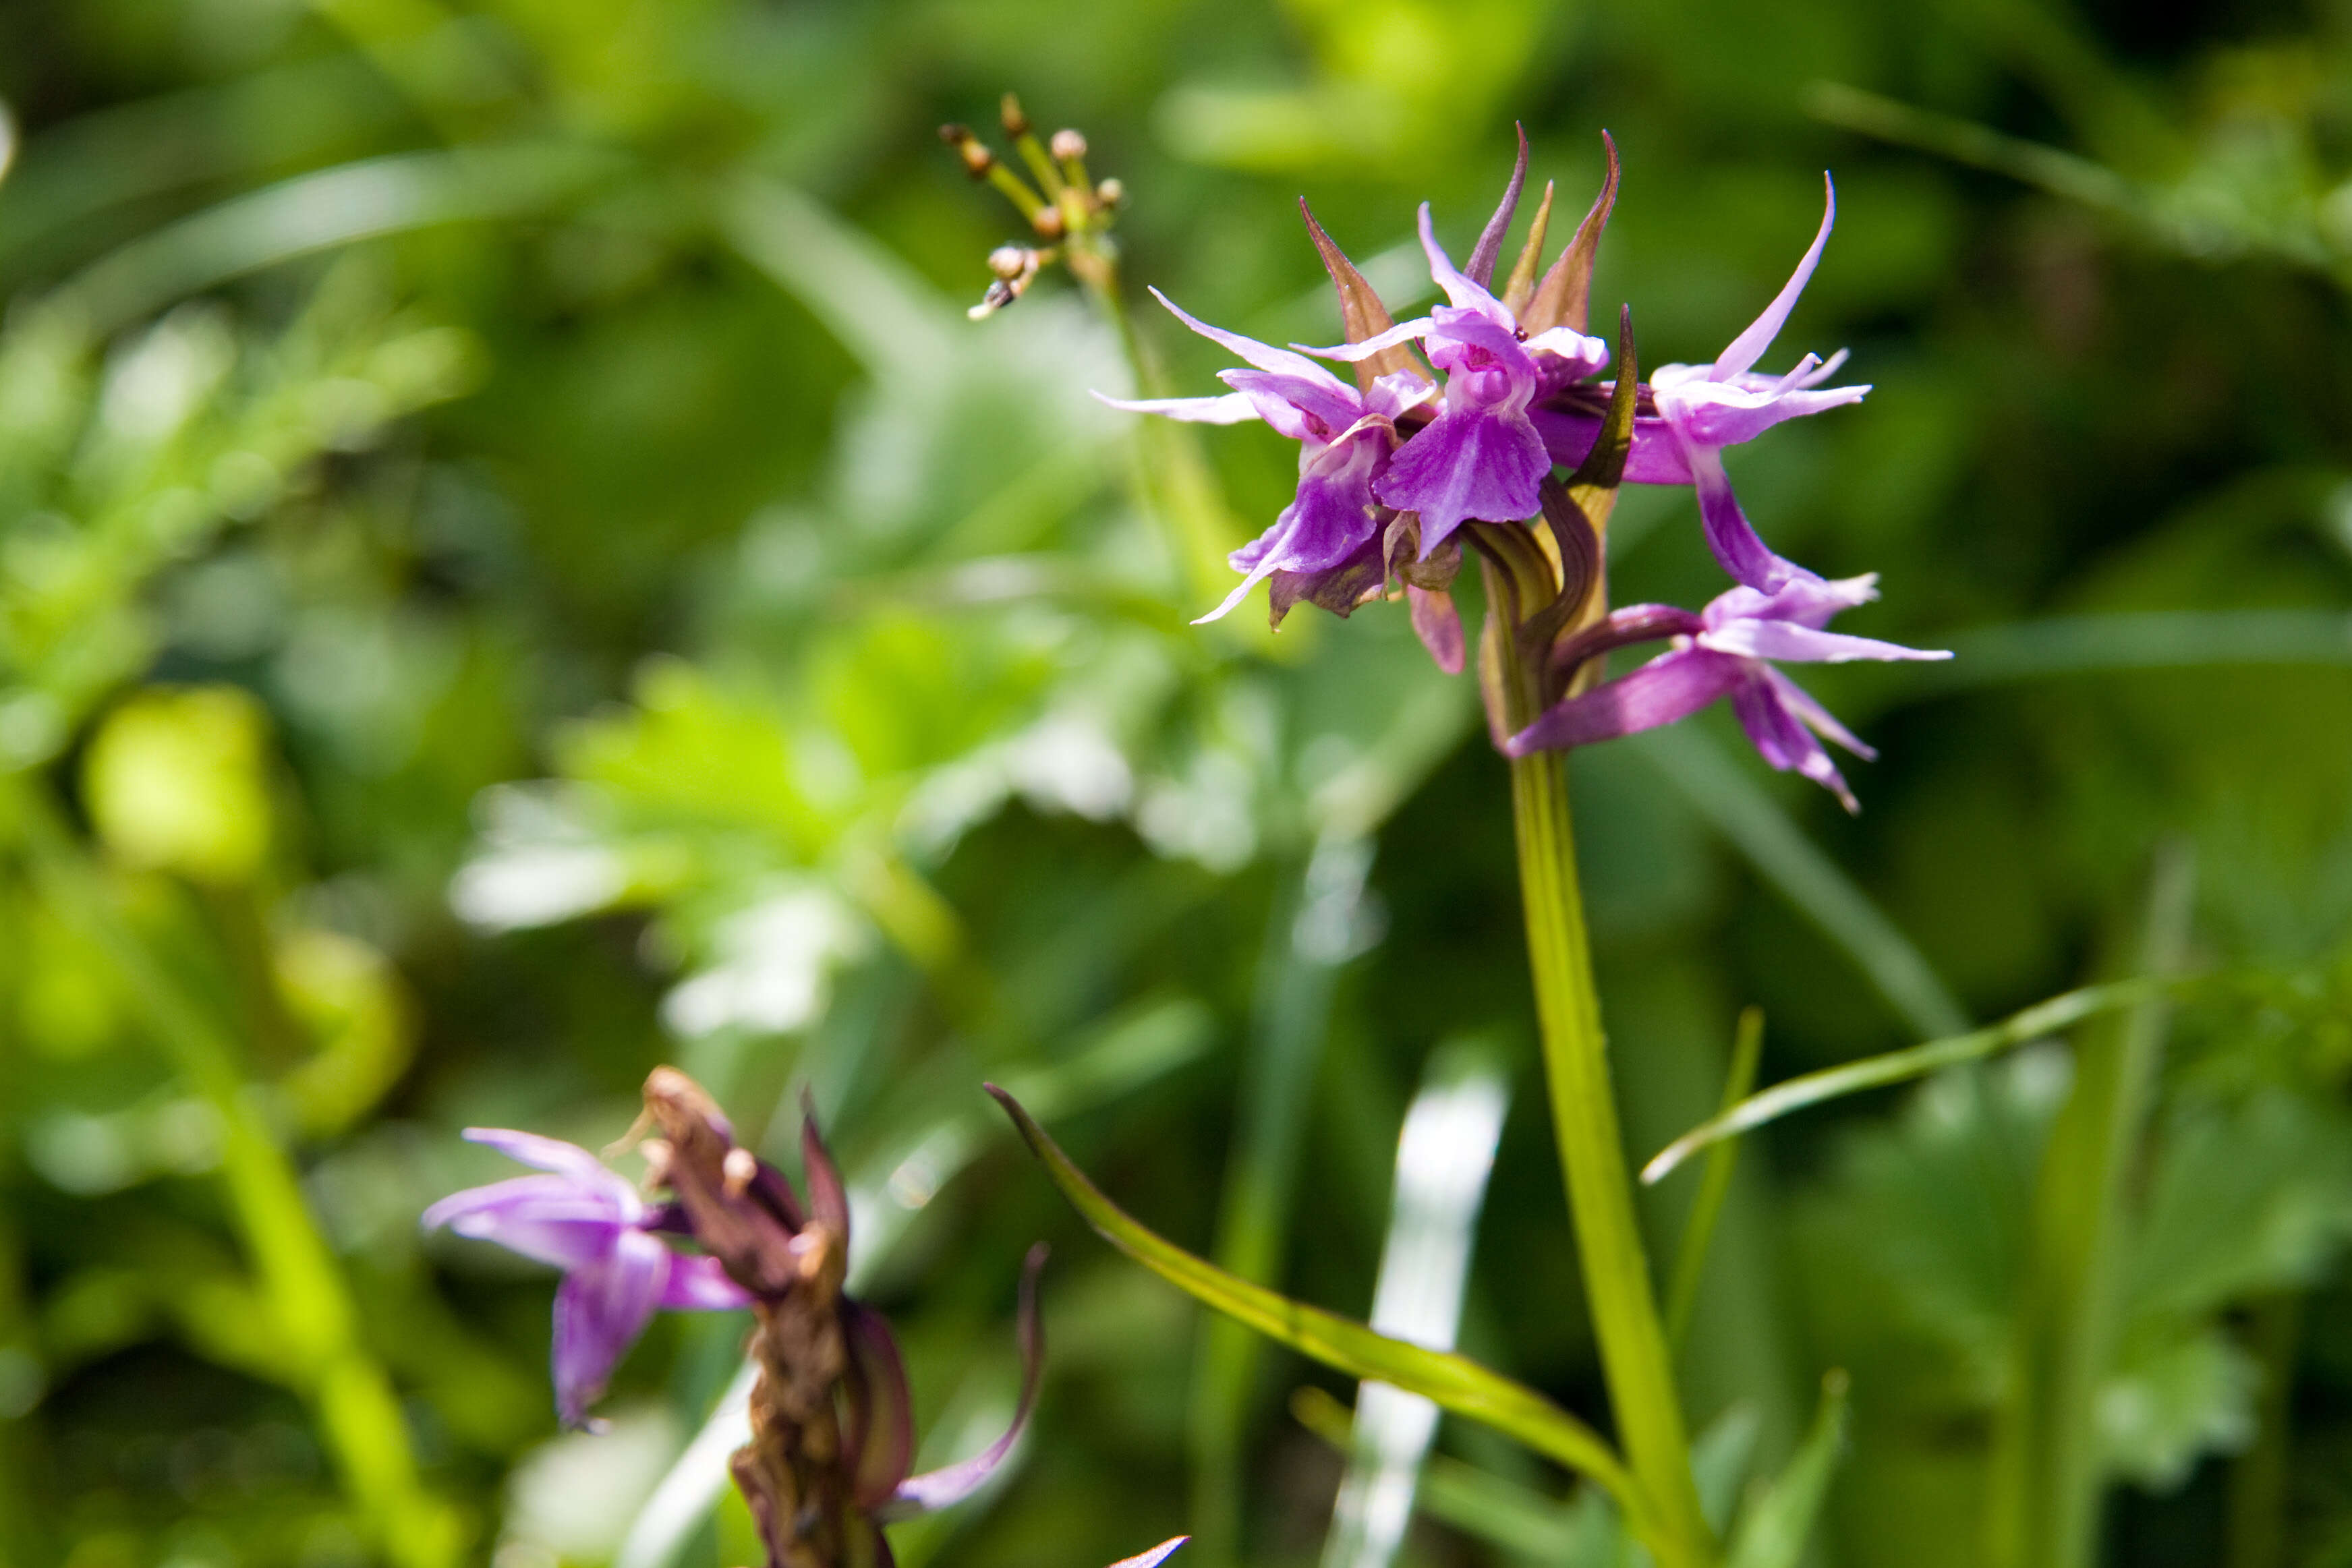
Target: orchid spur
1724, 650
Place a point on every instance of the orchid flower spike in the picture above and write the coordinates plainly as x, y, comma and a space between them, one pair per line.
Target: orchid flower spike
1725, 650
590, 1222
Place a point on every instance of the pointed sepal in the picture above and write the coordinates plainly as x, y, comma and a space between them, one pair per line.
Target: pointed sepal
1361, 314
1565, 295
1480, 268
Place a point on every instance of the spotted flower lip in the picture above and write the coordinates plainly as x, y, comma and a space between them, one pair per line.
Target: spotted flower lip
1725, 650
586, 1219
1346, 438
1481, 456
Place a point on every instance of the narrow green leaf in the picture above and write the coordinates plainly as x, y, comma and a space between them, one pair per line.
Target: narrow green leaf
1690, 1259
1773, 1532
2059, 1012
1452, 1380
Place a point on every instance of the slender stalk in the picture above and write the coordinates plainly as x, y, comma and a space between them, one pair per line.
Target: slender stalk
2258, 1480
1635, 1359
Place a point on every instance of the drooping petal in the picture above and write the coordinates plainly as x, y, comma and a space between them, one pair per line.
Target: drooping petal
552, 1219
935, 1490
1232, 408
1467, 463
1782, 740
698, 1283
1797, 643
880, 1441
1326, 522
600, 1310
1669, 687
1339, 588
1726, 413
1816, 718
1750, 346
1265, 356
1438, 624
1729, 536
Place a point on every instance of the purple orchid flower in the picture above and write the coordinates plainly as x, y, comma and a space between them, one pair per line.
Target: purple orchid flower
1696, 411
1481, 456
590, 1222
1723, 651
1345, 439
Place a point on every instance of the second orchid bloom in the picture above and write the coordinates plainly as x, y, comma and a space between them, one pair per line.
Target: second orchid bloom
1454, 429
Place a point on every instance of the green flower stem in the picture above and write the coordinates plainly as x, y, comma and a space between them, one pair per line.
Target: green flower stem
1635, 1357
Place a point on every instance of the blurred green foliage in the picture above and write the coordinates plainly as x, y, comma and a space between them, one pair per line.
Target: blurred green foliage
514, 568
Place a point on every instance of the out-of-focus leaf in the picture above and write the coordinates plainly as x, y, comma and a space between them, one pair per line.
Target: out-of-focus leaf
176, 782
1452, 1381
1777, 1525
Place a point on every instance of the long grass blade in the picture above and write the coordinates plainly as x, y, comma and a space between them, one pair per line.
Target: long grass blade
1690, 1258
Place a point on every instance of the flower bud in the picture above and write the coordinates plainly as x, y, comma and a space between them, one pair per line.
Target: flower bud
1067, 144
1111, 192
1009, 260
1015, 118
1049, 221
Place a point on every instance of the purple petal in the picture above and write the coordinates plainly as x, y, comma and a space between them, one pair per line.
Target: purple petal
1463, 291
1265, 356
880, 1441
1805, 598
1729, 534
550, 1218
1315, 411
1467, 464
1750, 346
1153, 1558
1804, 644
1575, 355
1669, 687
1481, 266
1819, 719
1782, 740
1393, 393
1656, 458
1438, 624
547, 1154
1351, 353
1721, 413
1622, 628
1232, 408
698, 1283
935, 1490
599, 1313
1328, 520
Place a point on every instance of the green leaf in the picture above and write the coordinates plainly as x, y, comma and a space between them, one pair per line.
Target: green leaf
1774, 1530
1454, 1382
2059, 1012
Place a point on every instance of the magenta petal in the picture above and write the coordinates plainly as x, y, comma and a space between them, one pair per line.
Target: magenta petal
1299, 408
935, 1490
1467, 463
1153, 1558
1716, 415
1750, 346
880, 1440
1816, 718
1729, 534
1438, 624
698, 1283
547, 1154
600, 1310
1804, 645
1669, 687
1233, 408
550, 1218
1783, 740
1349, 353
1265, 356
